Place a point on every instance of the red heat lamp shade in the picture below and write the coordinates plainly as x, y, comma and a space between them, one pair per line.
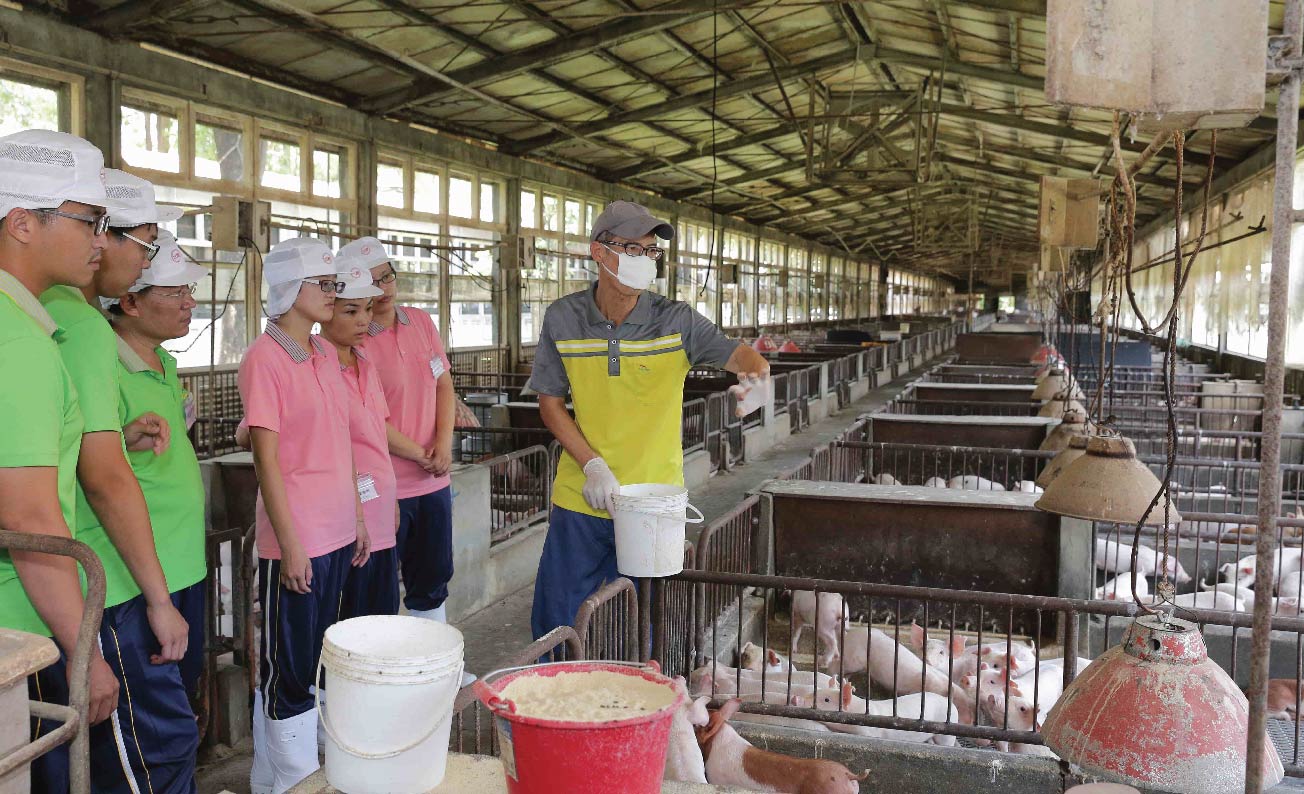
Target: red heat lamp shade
789, 347
1045, 353
1156, 712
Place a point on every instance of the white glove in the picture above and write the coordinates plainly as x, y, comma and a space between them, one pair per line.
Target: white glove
752, 393
599, 484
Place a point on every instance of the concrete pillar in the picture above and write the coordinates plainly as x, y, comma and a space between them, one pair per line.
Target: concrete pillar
507, 301
365, 184
101, 114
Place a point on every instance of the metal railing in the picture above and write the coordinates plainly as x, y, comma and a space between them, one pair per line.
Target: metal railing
473, 730
478, 359
73, 727
607, 623
520, 491
1043, 628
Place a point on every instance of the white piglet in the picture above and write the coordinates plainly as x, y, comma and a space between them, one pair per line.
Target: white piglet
972, 482
683, 755
1120, 588
934, 709
935, 482
1115, 557
826, 614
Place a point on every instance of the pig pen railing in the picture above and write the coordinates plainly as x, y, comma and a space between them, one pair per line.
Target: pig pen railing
520, 491
1067, 629
607, 623
473, 725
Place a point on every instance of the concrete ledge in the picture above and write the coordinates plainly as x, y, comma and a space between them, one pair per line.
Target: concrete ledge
914, 768
758, 440
819, 407
697, 468
879, 377
484, 574
860, 389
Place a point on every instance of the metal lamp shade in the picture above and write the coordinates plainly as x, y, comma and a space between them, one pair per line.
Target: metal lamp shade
1107, 483
1077, 448
1157, 713
1060, 406
1073, 424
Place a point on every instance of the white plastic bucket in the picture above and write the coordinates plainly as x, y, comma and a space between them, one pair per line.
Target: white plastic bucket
392, 681
649, 519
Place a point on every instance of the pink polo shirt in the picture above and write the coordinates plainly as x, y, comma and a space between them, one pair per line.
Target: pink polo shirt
301, 396
408, 356
368, 413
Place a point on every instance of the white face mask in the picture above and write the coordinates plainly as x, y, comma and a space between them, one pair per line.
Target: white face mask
636, 272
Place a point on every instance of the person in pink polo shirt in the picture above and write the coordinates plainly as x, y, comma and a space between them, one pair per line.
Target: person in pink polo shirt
371, 589
309, 521
407, 351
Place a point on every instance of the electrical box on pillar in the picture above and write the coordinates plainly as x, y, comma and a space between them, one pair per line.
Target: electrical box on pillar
1069, 214
1176, 63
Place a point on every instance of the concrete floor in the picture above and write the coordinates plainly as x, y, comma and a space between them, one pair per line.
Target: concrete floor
502, 630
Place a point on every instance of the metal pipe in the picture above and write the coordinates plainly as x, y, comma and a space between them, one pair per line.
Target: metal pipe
79, 664
1283, 216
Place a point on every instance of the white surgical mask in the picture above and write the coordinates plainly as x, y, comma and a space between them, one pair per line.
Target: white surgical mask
636, 272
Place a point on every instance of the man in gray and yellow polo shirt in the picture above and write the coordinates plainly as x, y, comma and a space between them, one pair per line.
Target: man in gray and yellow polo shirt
621, 354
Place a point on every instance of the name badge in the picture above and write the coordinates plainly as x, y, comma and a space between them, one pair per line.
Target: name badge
367, 488
436, 367
192, 412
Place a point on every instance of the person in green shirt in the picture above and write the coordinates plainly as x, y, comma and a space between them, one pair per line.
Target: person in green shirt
157, 309
52, 223
142, 633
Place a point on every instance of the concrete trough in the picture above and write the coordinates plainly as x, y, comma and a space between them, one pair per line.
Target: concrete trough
992, 541
1002, 432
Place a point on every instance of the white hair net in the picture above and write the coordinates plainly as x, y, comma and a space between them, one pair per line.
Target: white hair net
280, 297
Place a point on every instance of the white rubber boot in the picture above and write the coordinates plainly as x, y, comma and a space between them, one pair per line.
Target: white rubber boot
440, 615
261, 776
292, 750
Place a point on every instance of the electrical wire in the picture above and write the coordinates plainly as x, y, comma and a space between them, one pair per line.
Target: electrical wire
716, 245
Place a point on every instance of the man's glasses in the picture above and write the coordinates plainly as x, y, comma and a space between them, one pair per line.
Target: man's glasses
634, 249
327, 285
388, 278
99, 223
176, 293
151, 249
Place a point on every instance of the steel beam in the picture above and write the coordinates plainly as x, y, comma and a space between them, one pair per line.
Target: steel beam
540, 56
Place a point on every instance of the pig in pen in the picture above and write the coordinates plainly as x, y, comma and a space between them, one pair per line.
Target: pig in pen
938, 681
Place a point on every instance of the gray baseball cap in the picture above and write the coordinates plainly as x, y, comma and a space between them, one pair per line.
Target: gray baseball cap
631, 221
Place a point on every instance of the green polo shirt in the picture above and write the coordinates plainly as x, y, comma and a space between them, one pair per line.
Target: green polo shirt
89, 349
171, 482
40, 422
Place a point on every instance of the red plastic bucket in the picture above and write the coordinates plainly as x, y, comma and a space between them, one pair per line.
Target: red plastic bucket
551, 756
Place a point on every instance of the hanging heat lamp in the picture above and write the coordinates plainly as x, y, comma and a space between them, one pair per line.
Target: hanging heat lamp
1050, 382
789, 346
1061, 405
1056, 382
1073, 424
1077, 448
1107, 483
1156, 712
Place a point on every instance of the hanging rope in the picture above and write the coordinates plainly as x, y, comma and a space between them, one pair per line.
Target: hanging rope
1182, 267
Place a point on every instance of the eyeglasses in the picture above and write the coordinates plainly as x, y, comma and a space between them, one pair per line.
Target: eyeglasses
388, 278
634, 249
99, 223
176, 293
327, 285
151, 249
